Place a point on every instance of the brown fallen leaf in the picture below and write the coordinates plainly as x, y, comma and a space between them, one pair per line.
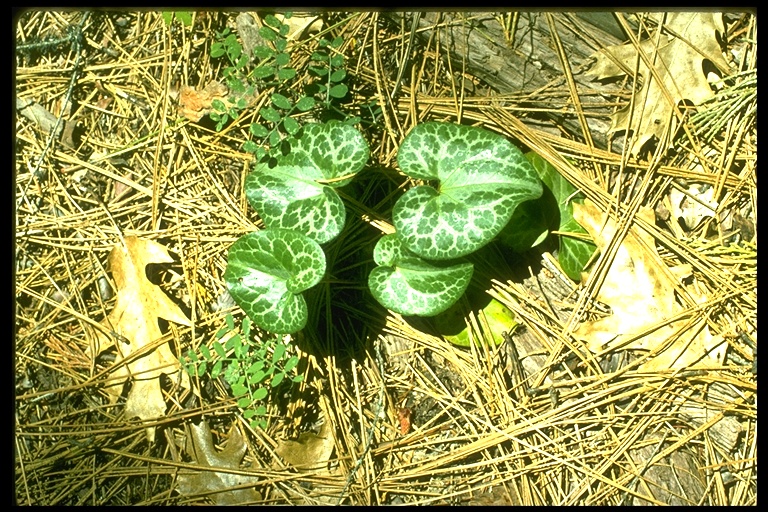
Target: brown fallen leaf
300, 23
640, 289
47, 121
693, 207
678, 63
311, 451
134, 320
219, 483
196, 103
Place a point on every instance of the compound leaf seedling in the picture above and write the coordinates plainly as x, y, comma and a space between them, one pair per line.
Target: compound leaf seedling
266, 272
250, 366
482, 178
297, 193
406, 284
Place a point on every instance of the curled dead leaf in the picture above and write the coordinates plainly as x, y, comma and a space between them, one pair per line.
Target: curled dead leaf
641, 291
300, 23
311, 451
47, 121
693, 207
221, 487
136, 331
194, 103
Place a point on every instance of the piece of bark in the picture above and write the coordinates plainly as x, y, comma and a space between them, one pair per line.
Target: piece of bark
675, 480
248, 29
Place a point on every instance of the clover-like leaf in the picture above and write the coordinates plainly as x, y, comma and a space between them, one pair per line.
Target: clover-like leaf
338, 91
297, 194
305, 103
409, 285
281, 101
291, 125
481, 176
574, 253
266, 272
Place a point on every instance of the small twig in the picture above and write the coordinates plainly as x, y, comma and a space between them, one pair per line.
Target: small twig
517, 368
74, 39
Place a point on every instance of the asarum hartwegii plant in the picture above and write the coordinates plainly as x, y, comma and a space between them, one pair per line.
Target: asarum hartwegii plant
475, 182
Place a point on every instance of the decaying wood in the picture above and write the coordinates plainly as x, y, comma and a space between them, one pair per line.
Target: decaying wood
529, 65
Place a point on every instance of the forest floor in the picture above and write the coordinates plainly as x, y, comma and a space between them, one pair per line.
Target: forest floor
636, 385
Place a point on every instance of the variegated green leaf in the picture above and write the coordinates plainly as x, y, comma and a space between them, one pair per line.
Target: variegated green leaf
297, 193
266, 272
481, 178
574, 253
290, 197
336, 150
408, 285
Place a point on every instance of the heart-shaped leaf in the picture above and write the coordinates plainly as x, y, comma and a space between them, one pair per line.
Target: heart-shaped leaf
531, 223
296, 194
266, 272
338, 151
290, 197
409, 285
574, 253
481, 179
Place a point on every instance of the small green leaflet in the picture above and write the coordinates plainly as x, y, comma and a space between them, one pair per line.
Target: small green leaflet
482, 178
281, 101
408, 285
184, 16
266, 272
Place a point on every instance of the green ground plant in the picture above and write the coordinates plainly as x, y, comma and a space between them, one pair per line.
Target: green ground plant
250, 366
328, 66
470, 183
534, 220
474, 180
272, 69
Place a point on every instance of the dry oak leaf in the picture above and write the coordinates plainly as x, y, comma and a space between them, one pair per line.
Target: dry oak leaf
678, 61
218, 485
47, 121
139, 304
300, 23
694, 206
640, 289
